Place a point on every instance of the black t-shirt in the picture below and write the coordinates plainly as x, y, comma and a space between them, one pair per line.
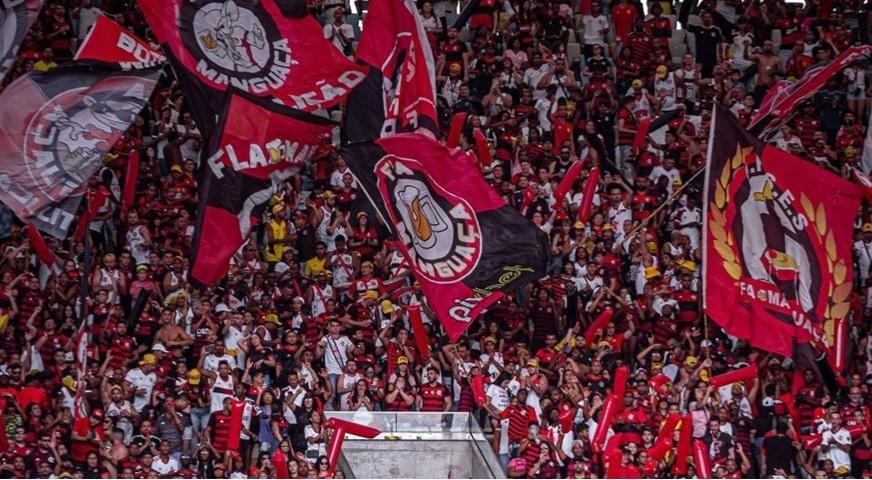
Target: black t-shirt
779, 453
707, 41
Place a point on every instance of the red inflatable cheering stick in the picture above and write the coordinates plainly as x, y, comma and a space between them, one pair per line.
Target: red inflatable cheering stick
340, 428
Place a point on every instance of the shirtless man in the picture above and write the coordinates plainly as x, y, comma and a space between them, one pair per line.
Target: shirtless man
768, 66
170, 334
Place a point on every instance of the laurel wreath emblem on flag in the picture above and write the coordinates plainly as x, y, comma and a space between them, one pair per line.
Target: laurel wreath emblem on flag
837, 288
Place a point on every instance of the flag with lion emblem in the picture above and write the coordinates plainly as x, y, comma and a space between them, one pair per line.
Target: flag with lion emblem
777, 242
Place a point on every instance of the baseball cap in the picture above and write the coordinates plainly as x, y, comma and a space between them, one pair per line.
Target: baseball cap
272, 318
328, 194
533, 362
690, 361
637, 83
176, 168
370, 294
148, 359
159, 347
402, 360
867, 227
387, 306
221, 308
662, 71
194, 377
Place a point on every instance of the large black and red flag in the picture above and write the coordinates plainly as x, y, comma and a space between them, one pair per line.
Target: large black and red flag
399, 93
16, 17
464, 244
56, 127
257, 145
266, 48
777, 242
110, 42
780, 104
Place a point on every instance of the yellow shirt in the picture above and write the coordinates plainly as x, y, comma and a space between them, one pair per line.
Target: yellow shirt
279, 232
43, 66
314, 266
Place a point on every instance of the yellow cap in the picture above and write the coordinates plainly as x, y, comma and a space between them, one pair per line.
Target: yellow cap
704, 375
850, 151
637, 83
176, 168
690, 361
651, 272
578, 224
69, 382
370, 294
402, 360
687, 264
194, 377
867, 227
387, 306
277, 208
272, 318
328, 194
454, 68
533, 362
148, 359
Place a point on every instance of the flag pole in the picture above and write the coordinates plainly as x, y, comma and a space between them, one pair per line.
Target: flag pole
663, 204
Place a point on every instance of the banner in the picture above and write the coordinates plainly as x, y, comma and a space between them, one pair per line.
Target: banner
777, 242
400, 91
55, 129
16, 17
258, 145
267, 48
464, 244
779, 105
110, 42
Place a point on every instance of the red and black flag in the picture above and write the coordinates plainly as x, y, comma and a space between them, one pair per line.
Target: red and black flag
464, 244
399, 93
110, 42
777, 242
56, 127
266, 48
16, 17
781, 102
258, 144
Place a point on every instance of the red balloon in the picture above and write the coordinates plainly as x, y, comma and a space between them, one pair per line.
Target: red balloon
701, 459
620, 383
589, 192
607, 411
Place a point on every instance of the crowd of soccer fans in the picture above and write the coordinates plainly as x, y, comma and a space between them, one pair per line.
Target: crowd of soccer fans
313, 314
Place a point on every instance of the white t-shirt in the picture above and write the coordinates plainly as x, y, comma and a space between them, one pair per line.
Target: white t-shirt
593, 27
332, 31
211, 362
140, 379
164, 468
498, 396
336, 353
221, 389
839, 457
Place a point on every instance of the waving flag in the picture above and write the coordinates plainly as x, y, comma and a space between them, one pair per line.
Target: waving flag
399, 94
781, 102
109, 42
55, 128
16, 17
259, 144
777, 242
267, 48
465, 245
